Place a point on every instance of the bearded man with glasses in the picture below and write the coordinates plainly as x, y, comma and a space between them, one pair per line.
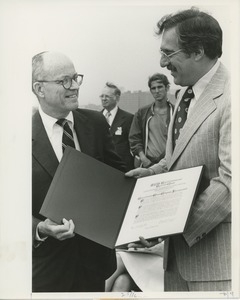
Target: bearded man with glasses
61, 260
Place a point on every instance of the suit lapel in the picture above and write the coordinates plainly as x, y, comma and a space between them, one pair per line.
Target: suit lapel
202, 109
41, 147
169, 146
84, 132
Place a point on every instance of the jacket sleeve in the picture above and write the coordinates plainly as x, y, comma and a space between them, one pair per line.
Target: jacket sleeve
160, 167
213, 205
136, 135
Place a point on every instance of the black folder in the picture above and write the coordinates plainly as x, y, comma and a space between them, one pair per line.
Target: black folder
94, 195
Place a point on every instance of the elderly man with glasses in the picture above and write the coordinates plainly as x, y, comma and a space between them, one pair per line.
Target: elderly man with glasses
119, 122
63, 261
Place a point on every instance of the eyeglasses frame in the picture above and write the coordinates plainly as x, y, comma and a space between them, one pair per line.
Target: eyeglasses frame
61, 81
169, 56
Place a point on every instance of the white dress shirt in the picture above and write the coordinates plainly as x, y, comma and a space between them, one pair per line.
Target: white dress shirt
112, 116
200, 86
55, 132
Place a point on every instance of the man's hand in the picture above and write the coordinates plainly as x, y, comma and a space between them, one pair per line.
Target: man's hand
139, 172
143, 243
59, 232
146, 162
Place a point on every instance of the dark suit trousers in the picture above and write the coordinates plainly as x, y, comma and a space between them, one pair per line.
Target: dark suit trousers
89, 282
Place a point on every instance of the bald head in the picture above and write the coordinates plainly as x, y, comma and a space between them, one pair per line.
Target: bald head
55, 63
47, 65
49, 72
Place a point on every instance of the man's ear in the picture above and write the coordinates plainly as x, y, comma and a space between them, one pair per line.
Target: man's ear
199, 53
38, 89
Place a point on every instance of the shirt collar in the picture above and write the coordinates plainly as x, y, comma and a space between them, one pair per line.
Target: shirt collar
201, 84
168, 102
49, 121
113, 111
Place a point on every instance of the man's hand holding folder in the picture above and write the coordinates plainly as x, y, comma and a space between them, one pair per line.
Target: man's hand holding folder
60, 232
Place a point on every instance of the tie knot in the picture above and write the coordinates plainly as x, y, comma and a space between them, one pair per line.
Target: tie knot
188, 95
67, 137
61, 122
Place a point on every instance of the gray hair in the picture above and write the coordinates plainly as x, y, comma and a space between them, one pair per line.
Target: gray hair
117, 91
37, 67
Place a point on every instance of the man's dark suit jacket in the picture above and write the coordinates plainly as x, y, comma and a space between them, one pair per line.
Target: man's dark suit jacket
120, 131
76, 264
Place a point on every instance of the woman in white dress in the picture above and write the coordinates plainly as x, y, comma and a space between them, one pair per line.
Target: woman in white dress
138, 269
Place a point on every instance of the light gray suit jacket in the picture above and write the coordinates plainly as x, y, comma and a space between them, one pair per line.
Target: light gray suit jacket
203, 252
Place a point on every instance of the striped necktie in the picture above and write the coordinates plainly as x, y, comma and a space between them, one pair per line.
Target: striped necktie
107, 116
67, 138
181, 115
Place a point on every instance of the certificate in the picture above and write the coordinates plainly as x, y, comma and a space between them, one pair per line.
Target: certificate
160, 205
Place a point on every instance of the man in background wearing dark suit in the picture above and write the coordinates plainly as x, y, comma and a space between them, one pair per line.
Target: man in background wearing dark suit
63, 261
119, 121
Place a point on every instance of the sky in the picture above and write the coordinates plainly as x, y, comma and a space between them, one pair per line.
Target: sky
108, 40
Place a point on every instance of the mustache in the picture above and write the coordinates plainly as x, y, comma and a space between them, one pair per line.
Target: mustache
171, 68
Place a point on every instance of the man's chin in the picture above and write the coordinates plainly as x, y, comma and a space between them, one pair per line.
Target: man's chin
74, 106
159, 99
176, 81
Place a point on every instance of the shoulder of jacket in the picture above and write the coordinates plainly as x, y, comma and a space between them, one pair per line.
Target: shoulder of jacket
88, 112
124, 112
145, 108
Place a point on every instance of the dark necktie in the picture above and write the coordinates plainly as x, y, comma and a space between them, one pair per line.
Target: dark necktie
67, 138
181, 115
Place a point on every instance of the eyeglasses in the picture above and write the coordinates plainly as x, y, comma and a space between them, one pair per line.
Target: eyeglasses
66, 82
168, 56
103, 96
